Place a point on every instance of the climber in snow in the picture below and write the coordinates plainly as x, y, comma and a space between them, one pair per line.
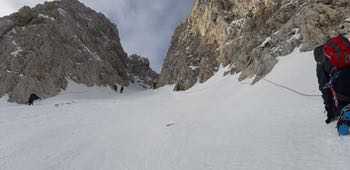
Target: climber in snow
333, 73
33, 97
115, 88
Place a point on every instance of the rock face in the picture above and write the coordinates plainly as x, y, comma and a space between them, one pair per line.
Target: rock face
247, 36
44, 47
141, 73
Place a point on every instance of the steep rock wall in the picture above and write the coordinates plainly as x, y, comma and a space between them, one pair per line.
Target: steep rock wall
247, 36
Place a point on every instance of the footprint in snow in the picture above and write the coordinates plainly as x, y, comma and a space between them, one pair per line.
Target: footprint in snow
170, 124
65, 103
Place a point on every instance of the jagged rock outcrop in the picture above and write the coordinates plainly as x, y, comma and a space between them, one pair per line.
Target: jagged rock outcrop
247, 36
141, 72
41, 48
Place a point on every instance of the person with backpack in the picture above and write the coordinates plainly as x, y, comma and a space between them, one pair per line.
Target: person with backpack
121, 89
33, 97
333, 73
115, 88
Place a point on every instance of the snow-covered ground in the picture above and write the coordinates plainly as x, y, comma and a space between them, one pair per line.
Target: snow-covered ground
220, 125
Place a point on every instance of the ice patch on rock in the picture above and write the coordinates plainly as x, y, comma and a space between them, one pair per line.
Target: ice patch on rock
267, 40
46, 17
61, 11
18, 49
93, 54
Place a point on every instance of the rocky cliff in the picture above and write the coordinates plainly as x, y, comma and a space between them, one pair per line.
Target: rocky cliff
141, 72
247, 36
41, 48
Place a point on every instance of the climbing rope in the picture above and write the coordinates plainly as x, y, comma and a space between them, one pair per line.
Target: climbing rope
266, 80
290, 89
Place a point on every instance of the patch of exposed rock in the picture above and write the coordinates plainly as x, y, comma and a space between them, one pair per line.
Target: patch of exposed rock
141, 72
41, 48
247, 36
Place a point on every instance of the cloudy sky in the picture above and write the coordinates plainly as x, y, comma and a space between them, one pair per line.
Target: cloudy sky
145, 26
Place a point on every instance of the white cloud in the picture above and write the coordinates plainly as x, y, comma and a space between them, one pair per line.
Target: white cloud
145, 26
6, 7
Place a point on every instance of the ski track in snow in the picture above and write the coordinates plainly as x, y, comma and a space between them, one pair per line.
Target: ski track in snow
220, 125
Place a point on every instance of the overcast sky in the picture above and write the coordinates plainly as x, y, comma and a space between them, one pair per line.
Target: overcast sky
145, 26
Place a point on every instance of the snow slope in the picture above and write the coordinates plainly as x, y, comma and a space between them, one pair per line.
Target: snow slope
220, 125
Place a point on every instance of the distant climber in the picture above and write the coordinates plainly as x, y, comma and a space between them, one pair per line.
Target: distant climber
32, 98
154, 85
121, 89
333, 73
115, 88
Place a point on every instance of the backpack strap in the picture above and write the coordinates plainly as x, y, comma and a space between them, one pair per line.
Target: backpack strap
330, 85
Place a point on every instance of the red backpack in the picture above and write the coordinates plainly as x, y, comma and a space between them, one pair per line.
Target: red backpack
337, 50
